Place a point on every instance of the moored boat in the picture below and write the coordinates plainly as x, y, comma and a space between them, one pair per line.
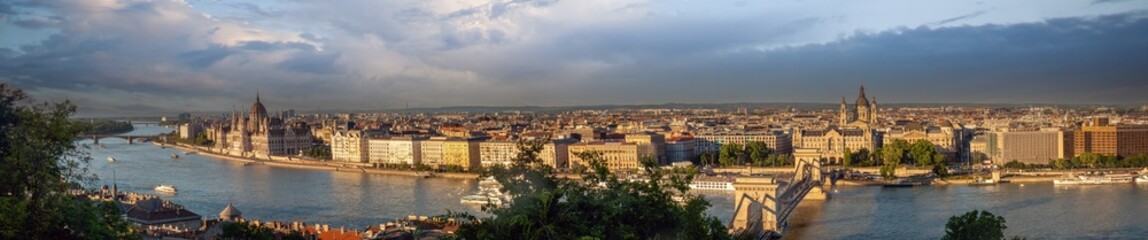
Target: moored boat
166, 189
712, 184
1142, 179
489, 192
1095, 180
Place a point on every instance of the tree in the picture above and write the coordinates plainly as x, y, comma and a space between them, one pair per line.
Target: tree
320, 152
847, 158
975, 225
39, 164
731, 154
889, 171
922, 152
758, 152
894, 153
600, 206
863, 157
1014, 164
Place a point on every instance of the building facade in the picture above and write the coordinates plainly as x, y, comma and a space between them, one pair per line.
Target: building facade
348, 146
711, 142
680, 149
260, 135
1114, 140
461, 152
497, 152
618, 156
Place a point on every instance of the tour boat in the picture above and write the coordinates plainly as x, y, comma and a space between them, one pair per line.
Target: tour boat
489, 191
712, 184
481, 199
165, 189
1142, 179
1094, 180
111, 159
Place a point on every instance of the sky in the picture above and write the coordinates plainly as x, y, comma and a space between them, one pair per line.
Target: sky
123, 57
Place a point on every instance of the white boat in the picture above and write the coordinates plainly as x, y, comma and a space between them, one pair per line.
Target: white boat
166, 189
174, 156
481, 199
712, 184
489, 192
1094, 180
111, 159
1142, 179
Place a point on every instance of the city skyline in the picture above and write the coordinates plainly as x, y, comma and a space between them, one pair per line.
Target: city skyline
140, 58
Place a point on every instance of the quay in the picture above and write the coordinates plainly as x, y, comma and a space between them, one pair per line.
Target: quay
314, 165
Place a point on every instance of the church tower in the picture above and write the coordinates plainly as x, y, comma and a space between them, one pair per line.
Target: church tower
862, 107
844, 116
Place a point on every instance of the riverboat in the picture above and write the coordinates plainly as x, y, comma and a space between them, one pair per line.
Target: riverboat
111, 159
908, 182
1142, 179
1094, 180
174, 156
166, 189
712, 184
489, 192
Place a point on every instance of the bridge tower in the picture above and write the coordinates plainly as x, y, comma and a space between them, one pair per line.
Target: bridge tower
764, 204
756, 208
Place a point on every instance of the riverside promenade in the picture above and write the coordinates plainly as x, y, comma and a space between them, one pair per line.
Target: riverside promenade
290, 162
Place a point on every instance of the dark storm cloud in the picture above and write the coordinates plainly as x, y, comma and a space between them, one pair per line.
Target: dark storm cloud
380, 54
1095, 60
202, 58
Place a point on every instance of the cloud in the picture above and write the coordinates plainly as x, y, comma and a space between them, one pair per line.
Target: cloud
208, 55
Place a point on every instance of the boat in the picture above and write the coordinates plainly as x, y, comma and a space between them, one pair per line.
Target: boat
1094, 180
166, 189
424, 174
980, 181
174, 156
489, 192
1142, 179
712, 184
908, 182
481, 199
188, 153
111, 159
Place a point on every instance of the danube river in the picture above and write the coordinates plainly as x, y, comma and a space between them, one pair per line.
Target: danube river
1036, 211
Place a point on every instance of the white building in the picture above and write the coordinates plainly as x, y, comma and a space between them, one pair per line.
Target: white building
394, 150
497, 152
348, 146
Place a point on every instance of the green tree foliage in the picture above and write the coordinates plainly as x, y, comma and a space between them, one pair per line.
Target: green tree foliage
731, 154
848, 159
320, 152
1014, 164
975, 225
39, 164
758, 153
895, 152
104, 126
922, 152
1092, 160
600, 206
889, 171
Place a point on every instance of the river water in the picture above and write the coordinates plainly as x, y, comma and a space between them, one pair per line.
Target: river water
206, 185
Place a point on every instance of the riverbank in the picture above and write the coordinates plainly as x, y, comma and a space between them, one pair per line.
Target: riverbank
311, 165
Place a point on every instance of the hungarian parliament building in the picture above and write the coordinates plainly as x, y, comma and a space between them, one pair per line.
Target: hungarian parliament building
259, 134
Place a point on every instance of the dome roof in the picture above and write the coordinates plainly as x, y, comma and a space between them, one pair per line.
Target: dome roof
257, 108
861, 100
230, 212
